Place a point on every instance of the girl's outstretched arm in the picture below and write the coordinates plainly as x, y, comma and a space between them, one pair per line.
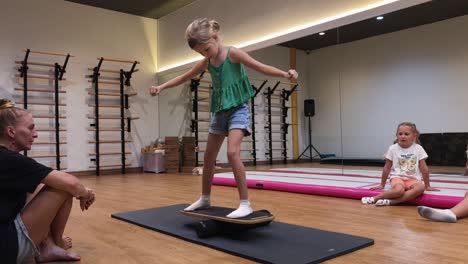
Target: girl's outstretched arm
196, 70
240, 56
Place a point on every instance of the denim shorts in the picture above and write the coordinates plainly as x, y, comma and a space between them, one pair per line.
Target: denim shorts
235, 118
26, 247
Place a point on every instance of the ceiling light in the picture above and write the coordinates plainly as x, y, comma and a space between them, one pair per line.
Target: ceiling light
322, 33
380, 18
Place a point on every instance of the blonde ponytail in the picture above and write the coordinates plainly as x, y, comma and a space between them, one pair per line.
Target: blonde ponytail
9, 114
200, 31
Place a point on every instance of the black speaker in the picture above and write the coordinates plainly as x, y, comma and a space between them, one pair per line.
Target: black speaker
309, 107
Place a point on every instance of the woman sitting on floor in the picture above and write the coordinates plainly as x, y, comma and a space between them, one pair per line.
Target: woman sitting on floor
33, 229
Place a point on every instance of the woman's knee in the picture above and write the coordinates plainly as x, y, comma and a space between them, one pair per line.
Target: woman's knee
38, 215
49, 196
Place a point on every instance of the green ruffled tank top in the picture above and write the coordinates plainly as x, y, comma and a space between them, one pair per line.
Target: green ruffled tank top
231, 86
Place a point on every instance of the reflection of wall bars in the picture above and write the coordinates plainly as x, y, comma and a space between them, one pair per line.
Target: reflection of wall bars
281, 126
253, 114
51, 91
196, 89
103, 120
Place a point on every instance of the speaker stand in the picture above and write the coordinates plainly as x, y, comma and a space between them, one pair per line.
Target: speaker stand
310, 147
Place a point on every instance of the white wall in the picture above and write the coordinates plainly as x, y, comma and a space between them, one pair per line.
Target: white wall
87, 33
259, 24
418, 75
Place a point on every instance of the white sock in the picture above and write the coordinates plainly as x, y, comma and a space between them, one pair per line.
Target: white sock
367, 200
382, 202
203, 202
243, 210
441, 215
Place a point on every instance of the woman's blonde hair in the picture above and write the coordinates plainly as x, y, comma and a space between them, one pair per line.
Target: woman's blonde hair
9, 114
200, 31
413, 129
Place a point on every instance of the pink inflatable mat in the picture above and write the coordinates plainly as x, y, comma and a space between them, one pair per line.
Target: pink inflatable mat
432, 200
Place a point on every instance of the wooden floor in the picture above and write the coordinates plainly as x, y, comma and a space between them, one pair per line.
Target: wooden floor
400, 234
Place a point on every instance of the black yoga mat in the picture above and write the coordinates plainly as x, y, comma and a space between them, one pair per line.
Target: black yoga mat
275, 243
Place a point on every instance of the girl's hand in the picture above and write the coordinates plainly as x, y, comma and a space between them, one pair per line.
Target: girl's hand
429, 188
155, 90
378, 187
292, 75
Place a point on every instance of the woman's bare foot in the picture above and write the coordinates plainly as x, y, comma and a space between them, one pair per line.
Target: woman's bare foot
51, 252
65, 243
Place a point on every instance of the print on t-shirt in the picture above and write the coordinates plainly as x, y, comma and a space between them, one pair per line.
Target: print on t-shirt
407, 164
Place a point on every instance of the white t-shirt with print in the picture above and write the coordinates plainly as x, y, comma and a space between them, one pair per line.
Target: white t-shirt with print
405, 161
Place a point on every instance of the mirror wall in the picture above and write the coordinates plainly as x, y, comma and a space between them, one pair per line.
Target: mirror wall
405, 66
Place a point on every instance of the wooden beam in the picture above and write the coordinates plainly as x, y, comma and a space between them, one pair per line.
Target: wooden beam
38, 103
47, 116
38, 77
108, 70
109, 165
109, 153
115, 60
112, 117
109, 141
105, 129
112, 94
104, 70
39, 90
37, 63
49, 53
110, 106
118, 83
45, 156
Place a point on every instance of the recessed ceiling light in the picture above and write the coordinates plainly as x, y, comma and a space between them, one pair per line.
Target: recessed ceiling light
322, 33
380, 18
